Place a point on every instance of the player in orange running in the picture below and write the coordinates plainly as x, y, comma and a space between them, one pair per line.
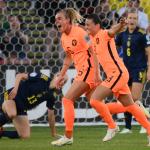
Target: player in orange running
76, 44
116, 72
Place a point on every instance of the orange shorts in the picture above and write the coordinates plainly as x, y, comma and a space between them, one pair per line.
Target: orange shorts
86, 74
117, 83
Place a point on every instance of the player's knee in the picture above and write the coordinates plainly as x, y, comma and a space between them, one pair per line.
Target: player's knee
12, 114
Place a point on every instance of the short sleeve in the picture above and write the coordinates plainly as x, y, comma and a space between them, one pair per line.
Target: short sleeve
106, 35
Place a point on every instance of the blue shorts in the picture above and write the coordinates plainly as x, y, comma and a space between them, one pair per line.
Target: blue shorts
138, 75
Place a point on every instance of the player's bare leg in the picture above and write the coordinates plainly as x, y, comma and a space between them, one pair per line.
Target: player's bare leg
136, 90
89, 94
9, 107
22, 126
7, 113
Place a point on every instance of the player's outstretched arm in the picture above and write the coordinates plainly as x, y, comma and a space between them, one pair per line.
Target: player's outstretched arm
117, 28
19, 77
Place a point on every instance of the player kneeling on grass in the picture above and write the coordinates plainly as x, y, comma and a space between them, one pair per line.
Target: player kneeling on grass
29, 91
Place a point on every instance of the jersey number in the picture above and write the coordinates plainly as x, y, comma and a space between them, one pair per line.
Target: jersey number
128, 52
80, 73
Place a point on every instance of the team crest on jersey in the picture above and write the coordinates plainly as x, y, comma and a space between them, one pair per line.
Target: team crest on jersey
97, 40
44, 77
74, 42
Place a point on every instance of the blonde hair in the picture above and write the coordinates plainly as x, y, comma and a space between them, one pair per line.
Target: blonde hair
73, 15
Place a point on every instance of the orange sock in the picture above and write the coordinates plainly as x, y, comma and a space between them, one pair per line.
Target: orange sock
69, 116
103, 111
139, 115
116, 108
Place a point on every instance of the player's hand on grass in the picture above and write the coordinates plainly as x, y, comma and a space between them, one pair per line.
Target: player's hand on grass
13, 94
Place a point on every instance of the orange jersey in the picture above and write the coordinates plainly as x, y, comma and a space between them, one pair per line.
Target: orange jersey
113, 66
77, 44
107, 54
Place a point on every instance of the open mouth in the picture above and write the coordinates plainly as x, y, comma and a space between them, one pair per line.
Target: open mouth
59, 26
132, 24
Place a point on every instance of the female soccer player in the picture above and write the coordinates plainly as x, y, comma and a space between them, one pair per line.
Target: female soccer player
116, 72
29, 91
135, 44
76, 44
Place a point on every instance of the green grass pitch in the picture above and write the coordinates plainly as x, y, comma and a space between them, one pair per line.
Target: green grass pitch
85, 138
